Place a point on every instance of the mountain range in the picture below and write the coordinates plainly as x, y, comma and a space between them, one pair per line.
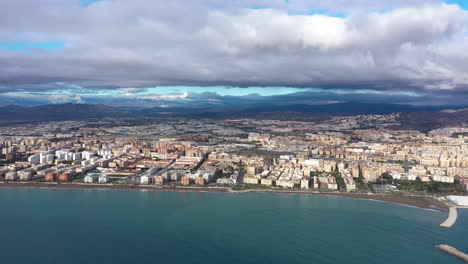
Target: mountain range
13, 113
420, 117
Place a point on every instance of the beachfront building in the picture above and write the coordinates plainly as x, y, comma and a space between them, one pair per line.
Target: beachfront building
350, 184
158, 180
305, 183
285, 183
51, 176
327, 183
316, 182
185, 180
65, 177
267, 181
90, 178
175, 175
251, 180
145, 179
25, 175
103, 179
200, 181
11, 176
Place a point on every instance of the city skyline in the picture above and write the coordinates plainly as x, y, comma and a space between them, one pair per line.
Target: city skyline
233, 131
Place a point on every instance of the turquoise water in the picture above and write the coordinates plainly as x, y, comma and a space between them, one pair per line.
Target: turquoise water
116, 226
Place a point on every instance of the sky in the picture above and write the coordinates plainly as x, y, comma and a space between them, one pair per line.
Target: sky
201, 53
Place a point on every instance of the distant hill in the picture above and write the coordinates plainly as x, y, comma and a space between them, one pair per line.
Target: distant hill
57, 112
156, 110
71, 109
414, 117
350, 108
10, 107
347, 108
338, 108
434, 120
453, 111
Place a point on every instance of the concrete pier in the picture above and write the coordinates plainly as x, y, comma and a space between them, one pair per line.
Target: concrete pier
452, 217
453, 251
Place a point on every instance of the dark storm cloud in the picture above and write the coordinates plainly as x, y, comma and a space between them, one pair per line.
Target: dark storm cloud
413, 47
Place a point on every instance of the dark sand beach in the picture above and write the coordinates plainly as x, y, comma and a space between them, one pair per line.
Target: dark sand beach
426, 202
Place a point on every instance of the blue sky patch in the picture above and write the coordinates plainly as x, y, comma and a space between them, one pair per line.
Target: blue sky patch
317, 12
21, 46
462, 3
88, 2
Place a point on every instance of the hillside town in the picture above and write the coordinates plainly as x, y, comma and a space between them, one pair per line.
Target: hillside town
367, 153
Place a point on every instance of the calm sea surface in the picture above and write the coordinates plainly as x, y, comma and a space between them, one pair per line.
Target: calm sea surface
117, 226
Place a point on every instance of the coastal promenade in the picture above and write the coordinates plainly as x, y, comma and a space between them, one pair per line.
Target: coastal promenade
426, 202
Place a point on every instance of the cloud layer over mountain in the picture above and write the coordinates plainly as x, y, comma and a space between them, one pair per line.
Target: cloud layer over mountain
407, 51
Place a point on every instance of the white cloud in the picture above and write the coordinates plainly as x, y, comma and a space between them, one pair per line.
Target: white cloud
167, 97
134, 90
211, 42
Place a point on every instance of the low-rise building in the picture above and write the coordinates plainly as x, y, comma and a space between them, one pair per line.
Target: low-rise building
251, 180
50, 177
350, 184
316, 182
305, 184
25, 175
103, 179
442, 178
158, 180
65, 177
185, 180
90, 178
328, 183
11, 176
145, 179
266, 181
200, 181
285, 183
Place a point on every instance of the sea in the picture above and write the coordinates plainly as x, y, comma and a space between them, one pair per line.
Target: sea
132, 226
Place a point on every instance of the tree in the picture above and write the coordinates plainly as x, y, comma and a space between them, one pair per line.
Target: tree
217, 175
339, 180
433, 187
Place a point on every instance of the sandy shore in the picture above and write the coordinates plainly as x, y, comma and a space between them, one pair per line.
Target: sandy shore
111, 187
416, 201
425, 202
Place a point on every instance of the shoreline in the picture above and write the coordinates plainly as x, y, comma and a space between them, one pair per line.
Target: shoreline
423, 202
111, 187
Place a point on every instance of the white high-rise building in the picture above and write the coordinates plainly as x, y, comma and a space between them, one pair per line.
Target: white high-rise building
47, 158
87, 155
69, 156
77, 156
34, 159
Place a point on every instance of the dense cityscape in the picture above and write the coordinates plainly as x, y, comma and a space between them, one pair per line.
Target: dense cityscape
233, 131
358, 154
